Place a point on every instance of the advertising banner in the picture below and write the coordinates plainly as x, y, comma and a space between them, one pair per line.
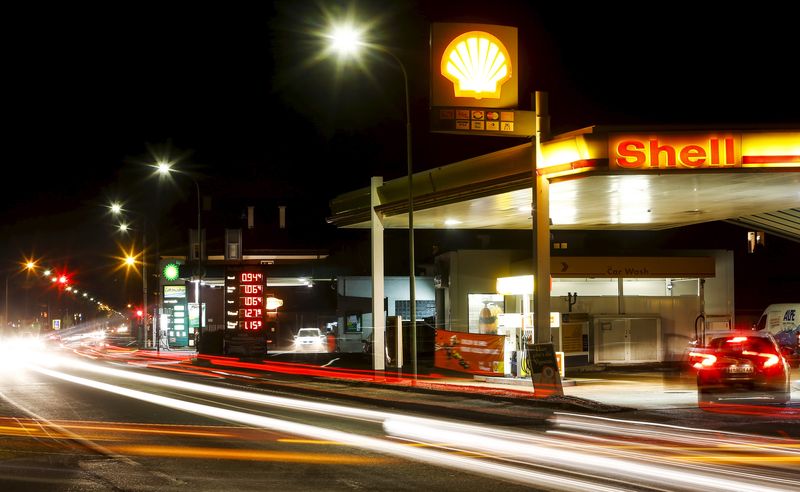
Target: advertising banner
469, 352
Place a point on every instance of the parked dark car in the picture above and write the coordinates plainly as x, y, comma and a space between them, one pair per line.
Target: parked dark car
743, 364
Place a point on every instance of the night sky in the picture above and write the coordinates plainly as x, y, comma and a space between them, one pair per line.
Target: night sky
242, 93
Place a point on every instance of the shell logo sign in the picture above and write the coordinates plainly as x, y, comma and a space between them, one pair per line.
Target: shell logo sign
473, 65
477, 64
681, 151
690, 151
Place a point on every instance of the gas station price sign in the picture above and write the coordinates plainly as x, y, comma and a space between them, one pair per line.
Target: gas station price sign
244, 299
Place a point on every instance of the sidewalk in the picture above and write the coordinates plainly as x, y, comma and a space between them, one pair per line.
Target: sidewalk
635, 388
643, 390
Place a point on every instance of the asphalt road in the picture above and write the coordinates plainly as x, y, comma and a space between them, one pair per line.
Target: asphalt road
65, 435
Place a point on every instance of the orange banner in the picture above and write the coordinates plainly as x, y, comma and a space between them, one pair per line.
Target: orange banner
469, 352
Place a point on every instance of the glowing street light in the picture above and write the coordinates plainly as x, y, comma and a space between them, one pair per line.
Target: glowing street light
130, 260
29, 265
165, 168
346, 40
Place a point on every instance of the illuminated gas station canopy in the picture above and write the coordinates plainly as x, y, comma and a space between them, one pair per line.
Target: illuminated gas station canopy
607, 178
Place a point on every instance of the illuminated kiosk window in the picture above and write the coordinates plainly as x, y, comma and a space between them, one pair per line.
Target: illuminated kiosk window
477, 64
485, 313
521, 285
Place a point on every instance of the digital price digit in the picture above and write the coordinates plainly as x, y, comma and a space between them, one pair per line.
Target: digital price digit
252, 313
251, 278
253, 301
252, 289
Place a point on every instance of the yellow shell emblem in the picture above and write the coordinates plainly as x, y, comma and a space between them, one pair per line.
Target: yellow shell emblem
477, 64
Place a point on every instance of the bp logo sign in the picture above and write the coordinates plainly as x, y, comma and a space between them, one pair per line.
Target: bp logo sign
171, 271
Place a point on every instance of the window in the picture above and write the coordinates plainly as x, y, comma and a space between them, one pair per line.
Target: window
233, 244
233, 251
352, 323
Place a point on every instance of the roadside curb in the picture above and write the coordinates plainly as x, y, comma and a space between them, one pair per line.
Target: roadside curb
552, 402
508, 396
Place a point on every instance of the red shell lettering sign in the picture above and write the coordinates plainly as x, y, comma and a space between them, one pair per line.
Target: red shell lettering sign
674, 151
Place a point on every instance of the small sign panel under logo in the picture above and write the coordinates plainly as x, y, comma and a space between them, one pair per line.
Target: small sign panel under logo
470, 121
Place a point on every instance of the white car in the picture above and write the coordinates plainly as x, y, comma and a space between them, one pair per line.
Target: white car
311, 340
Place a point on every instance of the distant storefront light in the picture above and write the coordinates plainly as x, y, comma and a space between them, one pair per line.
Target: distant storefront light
274, 303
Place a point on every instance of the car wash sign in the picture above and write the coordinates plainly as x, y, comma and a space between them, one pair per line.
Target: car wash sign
667, 152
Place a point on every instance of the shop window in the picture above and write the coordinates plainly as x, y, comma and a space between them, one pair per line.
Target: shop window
485, 312
352, 323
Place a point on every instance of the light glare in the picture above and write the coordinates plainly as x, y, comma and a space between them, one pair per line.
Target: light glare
345, 39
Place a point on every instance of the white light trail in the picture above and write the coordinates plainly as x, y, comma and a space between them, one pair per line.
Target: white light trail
464, 437
539, 450
427, 456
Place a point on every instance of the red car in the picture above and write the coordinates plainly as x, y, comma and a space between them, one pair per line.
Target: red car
746, 364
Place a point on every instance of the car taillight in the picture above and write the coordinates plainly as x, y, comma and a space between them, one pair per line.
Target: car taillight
770, 359
708, 360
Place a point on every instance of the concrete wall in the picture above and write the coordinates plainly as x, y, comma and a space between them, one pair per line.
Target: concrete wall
472, 272
395, 289
719, 290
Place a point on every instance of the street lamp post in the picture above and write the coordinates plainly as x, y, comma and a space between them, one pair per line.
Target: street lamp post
29, 266
165, 168
5, 314
346, 41
116, 209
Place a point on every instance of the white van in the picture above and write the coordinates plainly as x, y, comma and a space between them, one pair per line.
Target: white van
783, 321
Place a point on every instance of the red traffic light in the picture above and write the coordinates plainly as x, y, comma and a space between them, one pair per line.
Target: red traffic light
139, 313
